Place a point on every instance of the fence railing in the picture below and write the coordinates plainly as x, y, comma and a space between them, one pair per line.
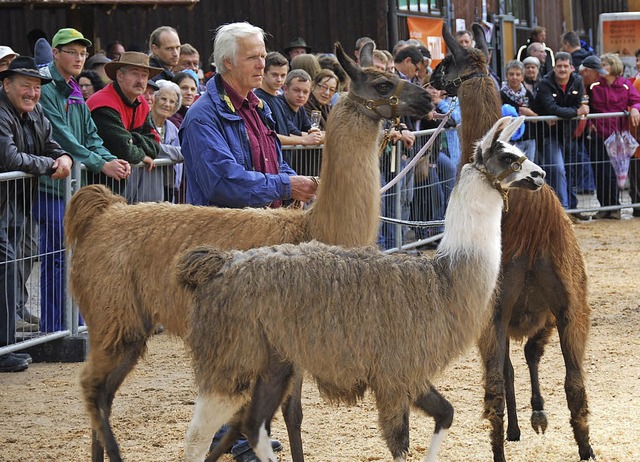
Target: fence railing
33, 269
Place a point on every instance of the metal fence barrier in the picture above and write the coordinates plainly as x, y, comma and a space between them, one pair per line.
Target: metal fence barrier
33, 270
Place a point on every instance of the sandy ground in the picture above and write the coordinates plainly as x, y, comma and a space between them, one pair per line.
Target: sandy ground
43, 417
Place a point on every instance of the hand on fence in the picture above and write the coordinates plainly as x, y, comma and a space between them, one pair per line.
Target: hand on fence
634, 117
150, 164
62, 167
118, 169
313, 137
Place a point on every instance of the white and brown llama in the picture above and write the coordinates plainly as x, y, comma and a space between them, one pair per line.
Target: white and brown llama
354, 319
121, 268
543, 283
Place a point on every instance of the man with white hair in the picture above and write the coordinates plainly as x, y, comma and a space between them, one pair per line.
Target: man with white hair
232, 155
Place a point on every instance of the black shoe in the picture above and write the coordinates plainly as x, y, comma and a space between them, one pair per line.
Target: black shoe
247, 455
636, 212
25, 356
11, 363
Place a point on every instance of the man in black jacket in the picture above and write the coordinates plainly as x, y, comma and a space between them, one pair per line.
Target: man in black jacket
25, 145
561, 94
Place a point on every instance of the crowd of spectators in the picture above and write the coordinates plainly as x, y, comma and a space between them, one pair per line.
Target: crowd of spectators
117, 108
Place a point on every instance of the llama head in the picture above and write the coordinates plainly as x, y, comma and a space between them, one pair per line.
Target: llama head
382, 95
462, 63
503, 163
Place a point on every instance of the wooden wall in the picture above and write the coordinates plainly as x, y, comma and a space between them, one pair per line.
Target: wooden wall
319, 23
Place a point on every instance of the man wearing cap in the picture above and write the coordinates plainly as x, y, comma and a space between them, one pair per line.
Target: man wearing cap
121, 113
164, 44
76, 132
591, 69
6, 56
26, 145
296, 47
96, 64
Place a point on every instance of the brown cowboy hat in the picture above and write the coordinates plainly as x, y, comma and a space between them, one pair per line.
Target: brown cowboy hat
130, 58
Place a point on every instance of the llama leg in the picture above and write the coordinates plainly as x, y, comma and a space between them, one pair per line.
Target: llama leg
437, 406
513, 429
292, 413
228, 439
573, 339
268, 393
492, 349
533, 351
210, 413
101, 377
393, 419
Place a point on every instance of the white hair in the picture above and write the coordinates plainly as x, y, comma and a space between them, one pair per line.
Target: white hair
225, 45
169, 85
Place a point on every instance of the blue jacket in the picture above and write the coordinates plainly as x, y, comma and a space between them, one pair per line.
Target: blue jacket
217, 155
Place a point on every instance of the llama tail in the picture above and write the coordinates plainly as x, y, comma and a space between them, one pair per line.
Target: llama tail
198, 264
84, 206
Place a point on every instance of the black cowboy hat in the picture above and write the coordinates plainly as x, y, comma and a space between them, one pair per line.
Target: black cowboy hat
297, 42
24, 65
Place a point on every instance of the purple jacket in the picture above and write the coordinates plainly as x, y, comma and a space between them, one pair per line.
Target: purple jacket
618, 97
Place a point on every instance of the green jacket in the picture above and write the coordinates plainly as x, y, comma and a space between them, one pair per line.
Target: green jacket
73, 129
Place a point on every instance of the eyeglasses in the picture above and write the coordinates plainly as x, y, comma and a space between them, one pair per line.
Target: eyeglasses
324, 87
76, 54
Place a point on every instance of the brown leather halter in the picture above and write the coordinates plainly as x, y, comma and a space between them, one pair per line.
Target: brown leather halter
373, 104
495, 180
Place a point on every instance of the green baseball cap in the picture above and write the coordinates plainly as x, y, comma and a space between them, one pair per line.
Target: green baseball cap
68, 35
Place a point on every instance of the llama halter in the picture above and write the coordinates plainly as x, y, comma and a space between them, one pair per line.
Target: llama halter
495, 180
451, 86
372, 104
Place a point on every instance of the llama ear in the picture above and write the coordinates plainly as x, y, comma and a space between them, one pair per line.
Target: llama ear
495, 133
510, 129
479, 37
366, 54
348, 64
452, 44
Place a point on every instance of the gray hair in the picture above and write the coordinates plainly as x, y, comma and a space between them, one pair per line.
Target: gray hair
514, 64
169, 85
225, 45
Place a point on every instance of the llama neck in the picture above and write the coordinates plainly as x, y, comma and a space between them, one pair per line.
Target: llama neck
348, 207
479, 102
472, 228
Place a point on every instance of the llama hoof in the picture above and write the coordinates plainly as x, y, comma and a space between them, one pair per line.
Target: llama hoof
539, 421
587, 454
513, 435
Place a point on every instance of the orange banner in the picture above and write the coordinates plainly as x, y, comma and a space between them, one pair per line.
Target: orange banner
622, 37
429, 32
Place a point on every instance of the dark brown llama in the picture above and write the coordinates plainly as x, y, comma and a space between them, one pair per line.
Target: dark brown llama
544, 282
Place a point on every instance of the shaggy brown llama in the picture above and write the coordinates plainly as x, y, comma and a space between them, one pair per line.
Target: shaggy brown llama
544, 281
354, 319
123, 255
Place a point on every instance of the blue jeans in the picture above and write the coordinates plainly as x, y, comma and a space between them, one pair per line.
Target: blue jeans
430, 199
48, 211
552, 161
